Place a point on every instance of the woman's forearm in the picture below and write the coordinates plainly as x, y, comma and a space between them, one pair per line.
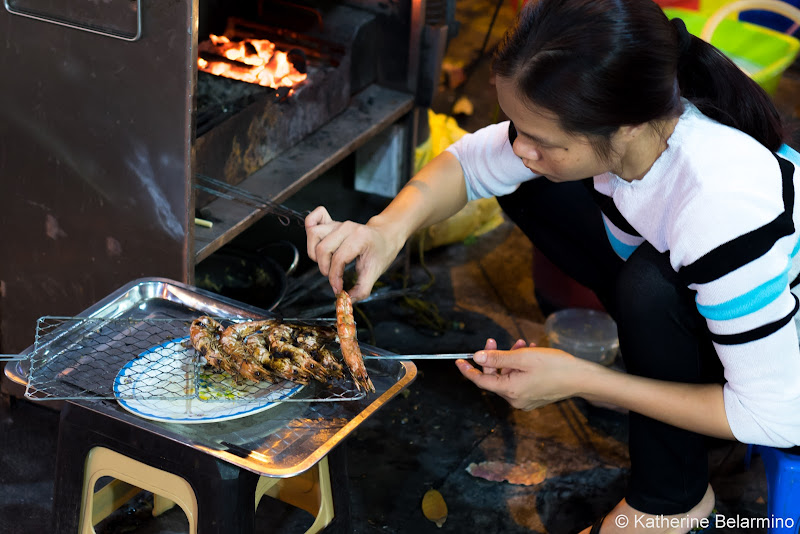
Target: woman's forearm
696, 407
434, 194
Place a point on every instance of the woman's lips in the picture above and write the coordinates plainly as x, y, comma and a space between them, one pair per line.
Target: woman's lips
533, 170
529, 167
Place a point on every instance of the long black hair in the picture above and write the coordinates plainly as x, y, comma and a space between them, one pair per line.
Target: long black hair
601, 64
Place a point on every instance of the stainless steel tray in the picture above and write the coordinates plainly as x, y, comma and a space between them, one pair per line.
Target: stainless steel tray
139, 349
283, 440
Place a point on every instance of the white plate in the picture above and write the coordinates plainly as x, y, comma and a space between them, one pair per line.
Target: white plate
168, 370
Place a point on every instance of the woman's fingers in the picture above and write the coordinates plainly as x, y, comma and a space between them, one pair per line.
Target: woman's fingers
520, 343
491, 344
363, 286
503, 359
528, 378
317, 225
493, 382
359, 243
340, 243
320, 215
327, 246
333, 245
509, 383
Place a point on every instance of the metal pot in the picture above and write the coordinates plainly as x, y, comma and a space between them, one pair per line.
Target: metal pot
252, 277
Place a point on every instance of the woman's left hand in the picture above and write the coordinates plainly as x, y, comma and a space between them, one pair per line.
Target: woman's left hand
526, 376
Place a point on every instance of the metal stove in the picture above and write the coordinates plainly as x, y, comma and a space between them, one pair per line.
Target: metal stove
106, 123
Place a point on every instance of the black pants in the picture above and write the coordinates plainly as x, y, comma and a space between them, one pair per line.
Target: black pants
661, 333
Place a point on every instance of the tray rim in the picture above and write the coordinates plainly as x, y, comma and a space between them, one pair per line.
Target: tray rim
255, 461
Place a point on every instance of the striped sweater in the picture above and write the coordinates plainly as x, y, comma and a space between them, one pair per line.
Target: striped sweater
725, 209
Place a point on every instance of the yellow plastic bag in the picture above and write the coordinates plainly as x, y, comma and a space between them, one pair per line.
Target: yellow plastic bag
478, 216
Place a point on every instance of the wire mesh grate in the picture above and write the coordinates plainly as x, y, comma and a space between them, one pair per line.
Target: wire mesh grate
149, 359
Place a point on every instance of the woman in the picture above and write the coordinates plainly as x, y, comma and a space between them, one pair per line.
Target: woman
693, 249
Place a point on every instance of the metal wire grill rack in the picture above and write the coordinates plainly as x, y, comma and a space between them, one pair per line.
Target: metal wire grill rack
152, 359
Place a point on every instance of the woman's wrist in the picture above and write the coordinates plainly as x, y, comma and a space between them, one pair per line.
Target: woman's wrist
590, 378
393, 232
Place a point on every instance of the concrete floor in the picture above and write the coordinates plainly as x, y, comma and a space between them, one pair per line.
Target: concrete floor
571, 456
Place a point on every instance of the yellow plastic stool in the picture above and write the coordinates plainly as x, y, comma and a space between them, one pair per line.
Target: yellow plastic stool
310, 491
135, 476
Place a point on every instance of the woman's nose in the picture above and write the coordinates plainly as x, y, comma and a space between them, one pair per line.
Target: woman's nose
525, 149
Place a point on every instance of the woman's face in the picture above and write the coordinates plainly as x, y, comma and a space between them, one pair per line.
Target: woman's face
542, 145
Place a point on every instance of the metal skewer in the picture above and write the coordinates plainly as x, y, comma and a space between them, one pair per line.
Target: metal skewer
456, 356
237, 194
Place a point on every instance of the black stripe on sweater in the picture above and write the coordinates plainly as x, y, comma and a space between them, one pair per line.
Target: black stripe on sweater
512, 133
747, 247
609, 209
756, 333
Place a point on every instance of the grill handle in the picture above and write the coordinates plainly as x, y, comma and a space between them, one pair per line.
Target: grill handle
12, 357
62, 16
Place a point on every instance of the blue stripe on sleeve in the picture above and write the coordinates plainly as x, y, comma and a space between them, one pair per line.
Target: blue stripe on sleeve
795, 250
623, 250
789, 153
752, 301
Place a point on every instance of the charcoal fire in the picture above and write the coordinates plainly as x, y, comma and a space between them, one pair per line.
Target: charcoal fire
251, 60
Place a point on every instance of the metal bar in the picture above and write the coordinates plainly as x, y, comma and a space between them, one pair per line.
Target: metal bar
42, 18
415, 44
12, 357
407, 357
231, 192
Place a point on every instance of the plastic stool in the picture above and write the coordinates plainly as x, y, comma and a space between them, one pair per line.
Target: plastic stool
217, 497
782, 467
310, 491
103, 462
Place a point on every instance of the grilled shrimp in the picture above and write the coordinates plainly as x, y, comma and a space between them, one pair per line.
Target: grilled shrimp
283, 367
232, 341
313, 342
281, 343
322, 333
204, 334
346, 327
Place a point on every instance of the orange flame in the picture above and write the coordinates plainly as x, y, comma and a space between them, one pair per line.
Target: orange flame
260, 62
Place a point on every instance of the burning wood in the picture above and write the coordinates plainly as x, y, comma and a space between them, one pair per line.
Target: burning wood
251, 60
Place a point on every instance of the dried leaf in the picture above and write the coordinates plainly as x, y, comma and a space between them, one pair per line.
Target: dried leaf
434, 507
526, 474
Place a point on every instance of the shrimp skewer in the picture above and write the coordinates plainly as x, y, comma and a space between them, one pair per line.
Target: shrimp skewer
258, 345
232, 341
204, 334
313, 342
351, 353
281, 342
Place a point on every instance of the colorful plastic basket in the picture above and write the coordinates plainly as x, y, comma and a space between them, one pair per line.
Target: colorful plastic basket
762, 53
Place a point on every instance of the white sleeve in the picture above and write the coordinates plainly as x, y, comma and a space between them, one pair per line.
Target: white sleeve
747, 304
489, 164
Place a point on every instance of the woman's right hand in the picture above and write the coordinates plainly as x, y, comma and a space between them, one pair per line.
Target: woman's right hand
435, 193
334, 244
